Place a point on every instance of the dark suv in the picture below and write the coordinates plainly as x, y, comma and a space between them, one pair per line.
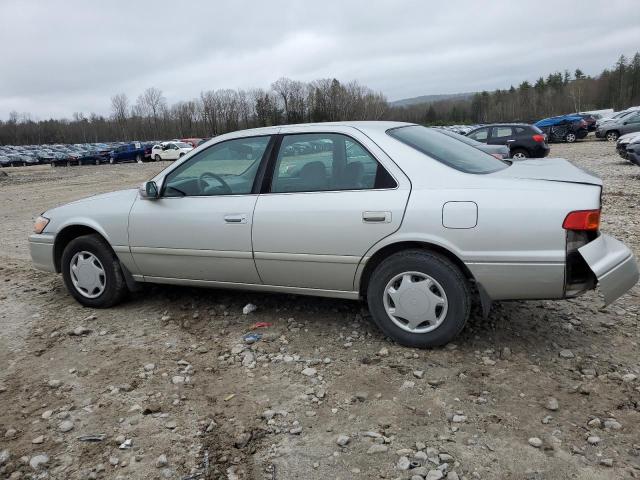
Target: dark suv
524, 141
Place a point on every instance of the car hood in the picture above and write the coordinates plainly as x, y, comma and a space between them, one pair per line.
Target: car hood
117, 195
551, 169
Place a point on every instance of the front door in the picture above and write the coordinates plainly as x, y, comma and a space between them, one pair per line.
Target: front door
329, 200
200, 227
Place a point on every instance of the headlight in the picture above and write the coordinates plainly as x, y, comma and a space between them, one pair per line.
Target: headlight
40, 224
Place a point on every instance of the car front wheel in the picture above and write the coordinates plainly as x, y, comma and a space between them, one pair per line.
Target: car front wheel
419, 298
570, 138
611, 136
92, 273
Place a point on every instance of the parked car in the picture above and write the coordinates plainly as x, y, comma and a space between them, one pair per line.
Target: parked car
623, 141
590, 119
130, 152
499, 151
170, 150
194, 142
613, 129
563, 128
5, 161
433, 221
523, 140
633, 150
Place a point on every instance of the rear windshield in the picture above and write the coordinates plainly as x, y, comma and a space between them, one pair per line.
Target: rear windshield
447, 150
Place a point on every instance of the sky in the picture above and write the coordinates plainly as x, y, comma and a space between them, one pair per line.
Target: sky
65, 56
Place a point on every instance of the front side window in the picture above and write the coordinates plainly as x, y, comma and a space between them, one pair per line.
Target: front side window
226, 168
480, 135
326, 162
447, 150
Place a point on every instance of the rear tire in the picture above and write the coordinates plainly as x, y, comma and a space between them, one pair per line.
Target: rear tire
444, 280
158, 158
138, 158
114, 288
519, 154
570, 138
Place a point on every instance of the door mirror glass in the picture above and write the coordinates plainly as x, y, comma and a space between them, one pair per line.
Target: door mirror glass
149, 190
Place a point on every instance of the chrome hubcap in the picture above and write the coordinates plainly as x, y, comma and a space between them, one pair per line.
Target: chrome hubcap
519, 156
415, 302
87, 274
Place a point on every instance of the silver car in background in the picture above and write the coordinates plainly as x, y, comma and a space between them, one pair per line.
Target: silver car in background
411, 220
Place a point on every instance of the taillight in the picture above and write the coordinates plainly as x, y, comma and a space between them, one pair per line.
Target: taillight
582, 220
538, 138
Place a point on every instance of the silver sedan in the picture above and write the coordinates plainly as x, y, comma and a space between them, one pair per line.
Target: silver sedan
415, 222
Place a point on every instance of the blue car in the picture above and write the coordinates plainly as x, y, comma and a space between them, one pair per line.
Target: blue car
564, 128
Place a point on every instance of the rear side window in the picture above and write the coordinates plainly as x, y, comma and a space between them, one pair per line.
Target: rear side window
502, 132
326, 162
449, 151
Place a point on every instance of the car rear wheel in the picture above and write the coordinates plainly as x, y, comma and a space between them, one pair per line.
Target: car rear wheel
519, 154
570, 137
158, 158
92, 272
112, 161
139, 158
97, 161
419, 298
611, 136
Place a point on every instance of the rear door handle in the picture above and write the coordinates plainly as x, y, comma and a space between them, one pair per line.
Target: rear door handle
376, 217
236, 218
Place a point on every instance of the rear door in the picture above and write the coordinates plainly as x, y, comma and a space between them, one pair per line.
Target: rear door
328, 196
501, 135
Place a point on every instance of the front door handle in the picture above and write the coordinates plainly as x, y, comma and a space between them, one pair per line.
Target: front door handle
236, 218
376, 217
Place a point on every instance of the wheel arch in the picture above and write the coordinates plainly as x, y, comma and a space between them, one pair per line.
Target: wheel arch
387, 250
69, 233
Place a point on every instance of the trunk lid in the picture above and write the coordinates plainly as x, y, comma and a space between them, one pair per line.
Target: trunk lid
551, 169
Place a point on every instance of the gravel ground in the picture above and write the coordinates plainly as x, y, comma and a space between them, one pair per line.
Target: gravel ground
163, 386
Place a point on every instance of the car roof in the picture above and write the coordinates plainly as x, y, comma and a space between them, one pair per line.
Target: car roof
363, 125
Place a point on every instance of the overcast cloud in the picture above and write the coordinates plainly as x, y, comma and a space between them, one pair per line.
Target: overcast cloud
60, 57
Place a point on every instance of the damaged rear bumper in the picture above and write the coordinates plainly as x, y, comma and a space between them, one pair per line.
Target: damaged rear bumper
613, 264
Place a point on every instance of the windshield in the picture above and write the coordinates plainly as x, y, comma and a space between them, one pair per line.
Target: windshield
447, 150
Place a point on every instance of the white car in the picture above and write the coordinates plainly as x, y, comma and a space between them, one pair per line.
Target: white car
416, 222
170, 150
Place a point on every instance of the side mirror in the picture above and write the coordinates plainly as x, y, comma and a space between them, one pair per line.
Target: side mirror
149, 191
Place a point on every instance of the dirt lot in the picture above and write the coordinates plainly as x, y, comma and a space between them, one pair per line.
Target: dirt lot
175, 392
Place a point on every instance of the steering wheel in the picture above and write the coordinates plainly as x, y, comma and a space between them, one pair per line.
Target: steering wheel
203, 184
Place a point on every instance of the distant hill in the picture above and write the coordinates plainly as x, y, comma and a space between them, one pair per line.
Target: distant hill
429, 99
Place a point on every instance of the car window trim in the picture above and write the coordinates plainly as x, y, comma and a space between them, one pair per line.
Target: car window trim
254, 185
268, 179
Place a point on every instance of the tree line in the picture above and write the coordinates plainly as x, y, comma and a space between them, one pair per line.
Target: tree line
215, 112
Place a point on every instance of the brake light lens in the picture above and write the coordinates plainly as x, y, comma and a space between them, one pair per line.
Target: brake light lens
538, 138
582, 220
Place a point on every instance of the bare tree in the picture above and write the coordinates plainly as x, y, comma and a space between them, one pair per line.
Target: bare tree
119, 111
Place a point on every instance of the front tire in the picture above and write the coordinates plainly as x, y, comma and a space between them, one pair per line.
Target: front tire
92, 273
611, 136
570, 138
158, 158
138, 158
419, 298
